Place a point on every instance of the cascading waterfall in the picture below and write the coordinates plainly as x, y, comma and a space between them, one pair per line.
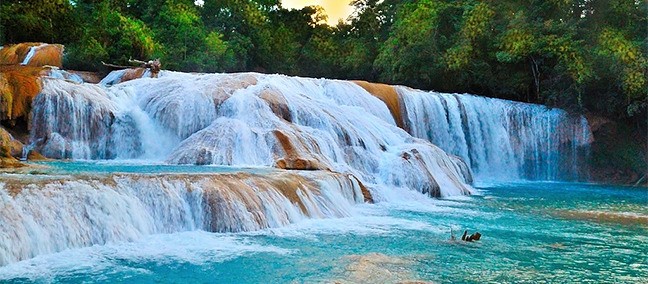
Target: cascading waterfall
72, 123
356, 140
500, 139
47, 214
242, 120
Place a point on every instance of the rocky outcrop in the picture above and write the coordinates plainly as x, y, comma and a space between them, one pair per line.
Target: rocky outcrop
10, 146
88, 77
19, 85
296, 156
390, 97
618, 153
72, 120
277, 104
35, 54
9, 149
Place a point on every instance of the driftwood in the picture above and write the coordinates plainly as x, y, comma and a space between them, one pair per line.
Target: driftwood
154, 65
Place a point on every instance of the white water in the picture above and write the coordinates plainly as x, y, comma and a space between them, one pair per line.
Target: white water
500, 139
257, 120
51, 214
240, 120
31, 53
197, 247
62, 74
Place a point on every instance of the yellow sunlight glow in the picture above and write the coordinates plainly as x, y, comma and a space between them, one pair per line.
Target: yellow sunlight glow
335, 9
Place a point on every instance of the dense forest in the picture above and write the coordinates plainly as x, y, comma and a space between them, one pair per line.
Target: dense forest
583, 55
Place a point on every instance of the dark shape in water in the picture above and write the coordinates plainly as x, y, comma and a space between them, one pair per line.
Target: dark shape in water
474, 237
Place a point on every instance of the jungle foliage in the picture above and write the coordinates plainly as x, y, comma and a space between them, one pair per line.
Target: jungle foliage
583, 55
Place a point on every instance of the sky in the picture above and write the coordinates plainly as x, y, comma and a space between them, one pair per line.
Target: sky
335, 9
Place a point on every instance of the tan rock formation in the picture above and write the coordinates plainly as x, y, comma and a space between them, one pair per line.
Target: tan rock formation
18, 87
277, 103
43, 55
295, 156
390, 97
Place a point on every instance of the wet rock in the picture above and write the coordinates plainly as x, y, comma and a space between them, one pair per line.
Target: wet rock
390, 97
10, 162
88, 77
277, 104
35, 156
10, 146
204, 157
34, 54
298, 164
18, 87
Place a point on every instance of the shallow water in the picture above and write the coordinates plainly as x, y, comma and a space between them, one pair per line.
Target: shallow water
134, 167
532, 232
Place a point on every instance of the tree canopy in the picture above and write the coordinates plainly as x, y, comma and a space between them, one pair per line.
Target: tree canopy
583, 55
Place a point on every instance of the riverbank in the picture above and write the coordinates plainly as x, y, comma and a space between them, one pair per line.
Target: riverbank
619, 152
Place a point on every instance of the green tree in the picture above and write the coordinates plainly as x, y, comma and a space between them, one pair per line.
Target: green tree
51, 21
108, 35
185, 43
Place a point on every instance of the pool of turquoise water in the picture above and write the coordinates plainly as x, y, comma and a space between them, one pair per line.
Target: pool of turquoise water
134, 167
532, 232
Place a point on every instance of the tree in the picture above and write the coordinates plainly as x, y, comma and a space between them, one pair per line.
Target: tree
38, 20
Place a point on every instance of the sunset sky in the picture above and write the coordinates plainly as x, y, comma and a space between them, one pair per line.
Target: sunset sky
335, 9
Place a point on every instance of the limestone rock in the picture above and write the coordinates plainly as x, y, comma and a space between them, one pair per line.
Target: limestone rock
298, 164
390, 97
10, 147
10, 162
18, 87
36, 156
35, 54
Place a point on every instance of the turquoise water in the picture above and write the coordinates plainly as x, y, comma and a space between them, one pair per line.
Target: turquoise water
532, 232
136, 167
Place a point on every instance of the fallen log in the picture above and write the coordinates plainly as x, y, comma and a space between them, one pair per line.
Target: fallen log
153, 65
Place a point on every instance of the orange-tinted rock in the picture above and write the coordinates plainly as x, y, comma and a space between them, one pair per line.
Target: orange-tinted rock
16, 148
365, 191
10, 162
18, 87
389, 96
296, 157
277, 103
36, 156
15, 54
132, 74
45, 54
298, 164
9, 147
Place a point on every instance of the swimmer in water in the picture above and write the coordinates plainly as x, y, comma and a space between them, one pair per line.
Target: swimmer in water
474, 237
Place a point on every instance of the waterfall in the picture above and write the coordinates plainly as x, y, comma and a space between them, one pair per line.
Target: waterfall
363, 142
25, 151
243, 120
71, 120
47, 214
30, 54
500, 139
